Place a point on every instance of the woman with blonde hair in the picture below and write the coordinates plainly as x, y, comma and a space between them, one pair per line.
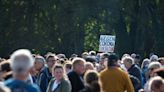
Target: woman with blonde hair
59, 83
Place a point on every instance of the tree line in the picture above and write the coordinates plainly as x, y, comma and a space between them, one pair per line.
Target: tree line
74, 26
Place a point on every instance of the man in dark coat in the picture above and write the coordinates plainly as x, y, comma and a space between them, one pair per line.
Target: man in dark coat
132, 68
75, 76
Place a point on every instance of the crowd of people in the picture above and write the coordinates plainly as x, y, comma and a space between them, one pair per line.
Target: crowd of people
89, 72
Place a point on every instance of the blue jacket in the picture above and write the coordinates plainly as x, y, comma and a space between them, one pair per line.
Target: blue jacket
43, 79
21, 86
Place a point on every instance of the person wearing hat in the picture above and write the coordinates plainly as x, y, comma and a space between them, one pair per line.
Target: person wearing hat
113, 79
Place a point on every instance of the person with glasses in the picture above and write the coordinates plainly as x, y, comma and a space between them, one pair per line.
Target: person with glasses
45, 75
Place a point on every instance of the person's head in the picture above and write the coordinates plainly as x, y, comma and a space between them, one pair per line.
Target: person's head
4, 69
137, 59
133, 55
58, 71
156, 84
154, 58
125, 55
112, 60
91, 79
103, 58
91, 59
61, 56
21, 63
159, 72
68, 66
78, 65
61, 61
128, 61
89, 66
74, 55
152, 66
161, 60
84, 54
145, 63
92, 53
91, 76
39, 62
51, 59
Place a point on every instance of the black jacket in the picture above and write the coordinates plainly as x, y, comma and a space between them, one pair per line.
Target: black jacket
76, 82
93, 87
136, 72
136, 83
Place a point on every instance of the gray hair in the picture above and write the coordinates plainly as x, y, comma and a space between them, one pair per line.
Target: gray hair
154, 64
21, 60
129, 59
40, 59
154, 58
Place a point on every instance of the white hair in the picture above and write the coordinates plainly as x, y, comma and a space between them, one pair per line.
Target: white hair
26, 61
154, 64
129, 58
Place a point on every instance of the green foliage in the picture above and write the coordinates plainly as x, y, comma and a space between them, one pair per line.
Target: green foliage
74, 26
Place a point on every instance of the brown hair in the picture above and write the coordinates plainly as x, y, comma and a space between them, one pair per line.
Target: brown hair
51, 56
5, 66
57, 66
156, 82
91, 76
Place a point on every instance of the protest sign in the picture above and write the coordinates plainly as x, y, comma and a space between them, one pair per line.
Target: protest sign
107, 43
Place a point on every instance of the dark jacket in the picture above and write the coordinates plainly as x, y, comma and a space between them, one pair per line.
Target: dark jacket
44, 78
136, 72
76, 82
93, 87
86, 89
64, 86
136, 83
